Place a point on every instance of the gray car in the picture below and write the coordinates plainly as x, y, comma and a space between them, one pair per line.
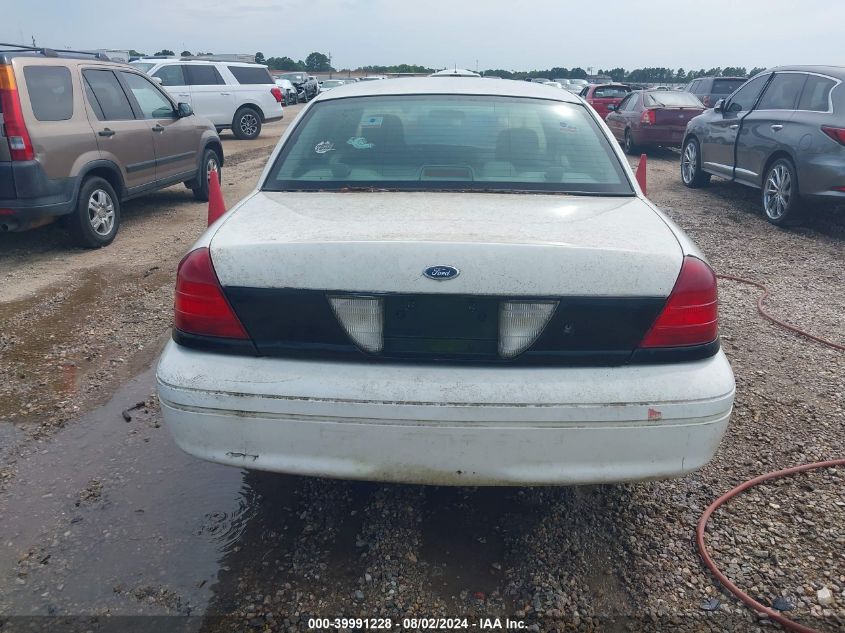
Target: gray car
783, 132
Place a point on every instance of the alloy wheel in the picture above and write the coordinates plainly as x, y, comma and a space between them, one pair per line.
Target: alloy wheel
688, 163
210, 166
101, 212
249, 124
778, 192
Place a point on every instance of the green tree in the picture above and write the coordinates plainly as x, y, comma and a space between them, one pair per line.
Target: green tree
134, 53
680, 75
165, 51
284, 63
186, 53
259, 58
578, 73
734, 71
754, 71
318, 62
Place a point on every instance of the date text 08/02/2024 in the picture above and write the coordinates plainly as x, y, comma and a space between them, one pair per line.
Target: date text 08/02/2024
443, 624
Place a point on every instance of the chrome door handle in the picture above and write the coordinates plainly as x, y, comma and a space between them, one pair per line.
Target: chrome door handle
734, 126
225, 94
106, 132
158, 128
184, 94
777, 127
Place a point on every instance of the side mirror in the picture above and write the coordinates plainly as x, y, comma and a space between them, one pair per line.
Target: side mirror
720, 106
184, 109
157, 80
611, 107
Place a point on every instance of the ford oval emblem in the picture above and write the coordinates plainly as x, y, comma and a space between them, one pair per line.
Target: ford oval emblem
441, 273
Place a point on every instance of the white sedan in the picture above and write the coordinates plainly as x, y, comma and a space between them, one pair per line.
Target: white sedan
447, 281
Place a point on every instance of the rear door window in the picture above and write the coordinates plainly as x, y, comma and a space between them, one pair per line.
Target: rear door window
106, 95
251, 74
816, 95
783, 92
632, 103
693, 87
173, 75
202, 75
50, 92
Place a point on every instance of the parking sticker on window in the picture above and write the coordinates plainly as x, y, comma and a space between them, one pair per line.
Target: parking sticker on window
372, 121
359, 142
323, 147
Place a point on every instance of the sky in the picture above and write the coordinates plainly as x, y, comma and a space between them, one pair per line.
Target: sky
506, 34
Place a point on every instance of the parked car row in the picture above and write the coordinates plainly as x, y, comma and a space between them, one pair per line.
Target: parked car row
79, 135
232, 95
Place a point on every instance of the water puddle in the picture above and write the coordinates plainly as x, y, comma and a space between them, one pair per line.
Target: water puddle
109, 516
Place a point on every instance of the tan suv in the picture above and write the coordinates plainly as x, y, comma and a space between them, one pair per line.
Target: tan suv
80, 134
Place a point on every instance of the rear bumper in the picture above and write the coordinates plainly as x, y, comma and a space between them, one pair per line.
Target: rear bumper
446, 425
660, 135
28, 195
819, 173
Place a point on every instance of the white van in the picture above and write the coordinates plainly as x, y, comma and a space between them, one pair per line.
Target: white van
232, 95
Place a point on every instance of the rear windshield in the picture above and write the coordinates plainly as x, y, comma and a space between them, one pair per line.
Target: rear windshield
672, 98
50, 92
251, 74
333, 83
726, 86
431, 142
611, 92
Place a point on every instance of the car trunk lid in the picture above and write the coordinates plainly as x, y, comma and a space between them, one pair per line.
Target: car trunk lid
513, 244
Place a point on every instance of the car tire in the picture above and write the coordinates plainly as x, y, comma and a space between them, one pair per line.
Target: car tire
96, 219
691, 173
246, 124
628, 144
782, 204
210, 160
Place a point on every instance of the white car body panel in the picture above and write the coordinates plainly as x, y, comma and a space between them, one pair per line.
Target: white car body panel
447, 423
554, 245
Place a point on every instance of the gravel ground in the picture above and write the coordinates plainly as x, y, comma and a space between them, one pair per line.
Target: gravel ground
597, 558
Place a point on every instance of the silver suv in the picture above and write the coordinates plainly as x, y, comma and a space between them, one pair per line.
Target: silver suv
782, 132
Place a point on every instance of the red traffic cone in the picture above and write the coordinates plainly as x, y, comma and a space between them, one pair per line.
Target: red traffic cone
641, 174
216, 204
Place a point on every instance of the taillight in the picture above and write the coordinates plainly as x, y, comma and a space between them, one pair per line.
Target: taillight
706, 100
20, 145
690, 315
836, 133
277, 93
200, 306
648, 117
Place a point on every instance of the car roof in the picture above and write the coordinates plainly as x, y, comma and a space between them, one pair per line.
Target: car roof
833, 71
450, 85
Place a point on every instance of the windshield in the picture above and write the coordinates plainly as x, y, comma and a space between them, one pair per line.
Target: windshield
429, 142
294, 77
332, 83
673, 98
142, 66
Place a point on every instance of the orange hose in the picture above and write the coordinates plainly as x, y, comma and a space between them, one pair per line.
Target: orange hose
783, 324
708, 561
773, 615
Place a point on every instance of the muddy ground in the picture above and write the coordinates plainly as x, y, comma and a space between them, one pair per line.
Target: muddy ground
105, 525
